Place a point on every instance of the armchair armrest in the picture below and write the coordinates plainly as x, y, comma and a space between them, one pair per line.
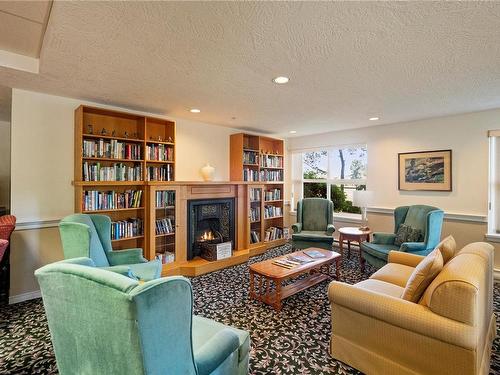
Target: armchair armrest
383, 238
129, 256
215, 351
403, 314
122, 270
410, 247
297, 227
406, 259
330, 229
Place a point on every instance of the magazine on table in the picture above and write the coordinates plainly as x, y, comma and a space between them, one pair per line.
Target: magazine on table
315, 254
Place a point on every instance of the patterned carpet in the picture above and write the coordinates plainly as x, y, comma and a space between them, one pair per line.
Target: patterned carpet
293, 341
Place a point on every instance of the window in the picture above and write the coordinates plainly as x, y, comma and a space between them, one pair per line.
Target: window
333, 173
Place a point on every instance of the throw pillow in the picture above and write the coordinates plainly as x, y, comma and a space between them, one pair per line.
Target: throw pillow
402, 234
423, 275
415, 235
448, 247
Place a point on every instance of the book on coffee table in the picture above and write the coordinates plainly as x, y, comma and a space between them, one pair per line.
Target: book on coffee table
301, 259
315, 254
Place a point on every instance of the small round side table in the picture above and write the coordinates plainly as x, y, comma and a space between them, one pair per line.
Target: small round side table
353, 234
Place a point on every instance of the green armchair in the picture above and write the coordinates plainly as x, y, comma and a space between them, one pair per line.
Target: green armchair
90, 236
427, 219
102, 322
314, 227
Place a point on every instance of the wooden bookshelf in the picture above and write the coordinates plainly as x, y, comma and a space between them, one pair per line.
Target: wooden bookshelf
260, 156
120, 141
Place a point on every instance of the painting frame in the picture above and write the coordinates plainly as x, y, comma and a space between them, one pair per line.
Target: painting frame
425, 160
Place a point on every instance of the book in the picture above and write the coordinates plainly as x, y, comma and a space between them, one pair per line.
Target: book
301, 259
315, 254
283, 263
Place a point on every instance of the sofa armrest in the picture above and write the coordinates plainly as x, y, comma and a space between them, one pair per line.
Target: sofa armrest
403, 314
297, 227
129, 256
406, 259
330, 229
411, 247
383, 238
215, 351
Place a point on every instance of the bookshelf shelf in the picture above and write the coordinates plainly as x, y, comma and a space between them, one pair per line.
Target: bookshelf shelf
274, 201
127, 239
142, 131
166, 234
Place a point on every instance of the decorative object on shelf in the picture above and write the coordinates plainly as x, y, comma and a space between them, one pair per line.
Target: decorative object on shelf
160, 139
362, 199
207, 172
125, 135
104, 132
425, 170
90, 129
113, 133
170, 140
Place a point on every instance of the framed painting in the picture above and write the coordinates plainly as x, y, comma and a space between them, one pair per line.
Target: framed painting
425, 170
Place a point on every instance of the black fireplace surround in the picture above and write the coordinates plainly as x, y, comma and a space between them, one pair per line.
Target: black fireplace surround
209, 215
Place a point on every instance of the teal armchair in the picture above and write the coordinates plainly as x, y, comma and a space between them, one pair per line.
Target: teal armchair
90, 236
427, 219
314, 227
102, 322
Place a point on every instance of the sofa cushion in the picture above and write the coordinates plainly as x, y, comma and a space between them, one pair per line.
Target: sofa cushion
204, 328
394, 273
380, 251
381, 287
422, 276
448, 248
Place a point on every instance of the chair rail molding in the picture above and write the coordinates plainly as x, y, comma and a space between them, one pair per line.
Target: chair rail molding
449, 216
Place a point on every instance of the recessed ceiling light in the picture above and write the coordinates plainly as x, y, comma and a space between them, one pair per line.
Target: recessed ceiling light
293, 131
194, 110
281, 80
374, 118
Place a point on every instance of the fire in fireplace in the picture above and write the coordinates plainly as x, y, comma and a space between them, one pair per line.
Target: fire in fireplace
210, 222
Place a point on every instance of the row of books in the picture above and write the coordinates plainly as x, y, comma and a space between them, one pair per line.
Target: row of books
111, 149
165, 225
250, 157
163, 173
110, 200
115, 172
250, 174
272, 211
254, 236
273, 233
273, 195
271, 175
270, 161
254, 214
255, 195
131, 227
159, 152
164, 198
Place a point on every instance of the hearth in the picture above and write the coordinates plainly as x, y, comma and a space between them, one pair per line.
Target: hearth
210, 222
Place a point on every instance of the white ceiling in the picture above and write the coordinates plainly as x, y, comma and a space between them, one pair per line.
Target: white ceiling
347, 61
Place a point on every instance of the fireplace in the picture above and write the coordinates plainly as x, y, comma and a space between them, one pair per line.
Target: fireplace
210, 221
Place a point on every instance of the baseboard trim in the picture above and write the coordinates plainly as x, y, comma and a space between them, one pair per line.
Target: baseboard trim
24, 297
496, 274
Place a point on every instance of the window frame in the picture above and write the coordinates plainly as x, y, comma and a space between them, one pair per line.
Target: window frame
300, 180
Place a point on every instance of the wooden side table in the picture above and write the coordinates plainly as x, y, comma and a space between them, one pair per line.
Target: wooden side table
353, 234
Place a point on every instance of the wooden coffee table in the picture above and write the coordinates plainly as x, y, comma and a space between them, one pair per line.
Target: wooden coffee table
263, 273
355, 234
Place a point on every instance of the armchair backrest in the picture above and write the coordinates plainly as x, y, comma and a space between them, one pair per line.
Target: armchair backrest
104, 323
428, 219
315, 213
86, 236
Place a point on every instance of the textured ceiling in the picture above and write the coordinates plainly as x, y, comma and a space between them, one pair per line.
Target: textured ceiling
22, 25
5, 103
346, 61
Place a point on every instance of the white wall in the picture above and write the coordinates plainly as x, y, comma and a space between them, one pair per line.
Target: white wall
465, 135
42, 171
5, 164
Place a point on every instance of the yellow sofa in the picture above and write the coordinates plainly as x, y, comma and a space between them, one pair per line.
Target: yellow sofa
450, 330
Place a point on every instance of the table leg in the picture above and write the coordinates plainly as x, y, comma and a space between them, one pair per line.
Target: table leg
259, 293
361, 260
348, 248
277, 296
251, 288
341, 244
337, 268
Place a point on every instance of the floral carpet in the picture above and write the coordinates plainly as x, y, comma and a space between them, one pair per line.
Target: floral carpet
292, 341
